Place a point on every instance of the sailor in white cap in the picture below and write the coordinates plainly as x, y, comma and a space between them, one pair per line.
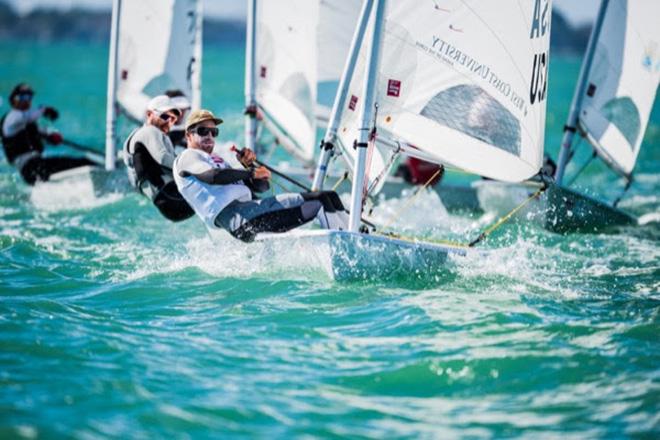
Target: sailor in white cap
177, 132
149, 156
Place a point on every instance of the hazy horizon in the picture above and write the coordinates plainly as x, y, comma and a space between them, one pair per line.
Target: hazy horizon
577, 13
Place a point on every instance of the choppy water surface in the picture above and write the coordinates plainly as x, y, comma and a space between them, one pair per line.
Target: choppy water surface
114, 323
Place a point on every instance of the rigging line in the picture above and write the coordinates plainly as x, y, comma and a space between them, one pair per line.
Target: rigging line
481, 236
282, 175
411, 199
271, 151
385, 169
629, 182
340, 181
582, 168
276, 172
370, 154
504, 219
415, 240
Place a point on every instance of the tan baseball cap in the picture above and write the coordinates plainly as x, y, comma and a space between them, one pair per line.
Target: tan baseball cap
200, 116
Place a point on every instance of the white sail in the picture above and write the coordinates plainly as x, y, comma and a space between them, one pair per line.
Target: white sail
337, 21
301, 50
157, 44
623, 81
286, 71
463, 83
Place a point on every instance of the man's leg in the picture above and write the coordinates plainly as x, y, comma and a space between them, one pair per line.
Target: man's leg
42, 168
333, 215
244, 220
171, 203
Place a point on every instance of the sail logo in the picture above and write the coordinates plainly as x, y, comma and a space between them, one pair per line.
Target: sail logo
217, 160
393, 88
352, 104
262, 72
651, 58
460, 60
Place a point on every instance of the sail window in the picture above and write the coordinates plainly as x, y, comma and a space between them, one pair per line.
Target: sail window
471, 110
624, 115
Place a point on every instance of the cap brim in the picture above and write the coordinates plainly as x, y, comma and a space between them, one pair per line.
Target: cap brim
166, 109
216, 121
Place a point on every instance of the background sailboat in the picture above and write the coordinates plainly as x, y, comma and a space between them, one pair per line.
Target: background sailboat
464, 85
295, 52
611, 108
155, 45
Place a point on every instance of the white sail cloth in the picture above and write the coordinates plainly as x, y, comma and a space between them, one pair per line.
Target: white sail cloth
157, 51
460, 83
337, 21
301, 50
622, 82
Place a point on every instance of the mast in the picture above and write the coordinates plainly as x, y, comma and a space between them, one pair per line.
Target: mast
250, 77
196, 79
111, 103
571, 123
327, 146
366, 119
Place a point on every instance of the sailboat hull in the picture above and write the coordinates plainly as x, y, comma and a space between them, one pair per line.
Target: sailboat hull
558, 209
350, 256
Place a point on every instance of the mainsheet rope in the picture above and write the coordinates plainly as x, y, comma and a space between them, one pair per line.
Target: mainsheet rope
472, 243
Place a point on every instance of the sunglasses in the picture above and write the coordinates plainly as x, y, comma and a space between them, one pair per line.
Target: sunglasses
204, 131
24, 97
168, 116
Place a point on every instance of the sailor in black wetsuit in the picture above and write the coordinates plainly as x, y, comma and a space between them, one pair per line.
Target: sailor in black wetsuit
149, 155
22, 139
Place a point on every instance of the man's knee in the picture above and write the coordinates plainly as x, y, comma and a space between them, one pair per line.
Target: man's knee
330, 200
310, 208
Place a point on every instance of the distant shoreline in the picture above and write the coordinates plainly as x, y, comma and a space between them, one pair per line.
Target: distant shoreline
47, 25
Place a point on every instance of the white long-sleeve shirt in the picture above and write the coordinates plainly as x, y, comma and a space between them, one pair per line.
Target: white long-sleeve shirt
206, 200
16, 120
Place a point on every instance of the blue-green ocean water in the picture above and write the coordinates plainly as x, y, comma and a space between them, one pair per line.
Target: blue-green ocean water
117, 324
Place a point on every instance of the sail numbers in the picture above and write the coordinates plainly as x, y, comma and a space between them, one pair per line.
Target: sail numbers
540, 27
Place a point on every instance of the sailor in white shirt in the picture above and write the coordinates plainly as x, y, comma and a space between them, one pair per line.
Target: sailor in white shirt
224, 197
22, 138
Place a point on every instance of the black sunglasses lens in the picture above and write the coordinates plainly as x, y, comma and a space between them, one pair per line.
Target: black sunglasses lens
24, 97
204, 131
167, 116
